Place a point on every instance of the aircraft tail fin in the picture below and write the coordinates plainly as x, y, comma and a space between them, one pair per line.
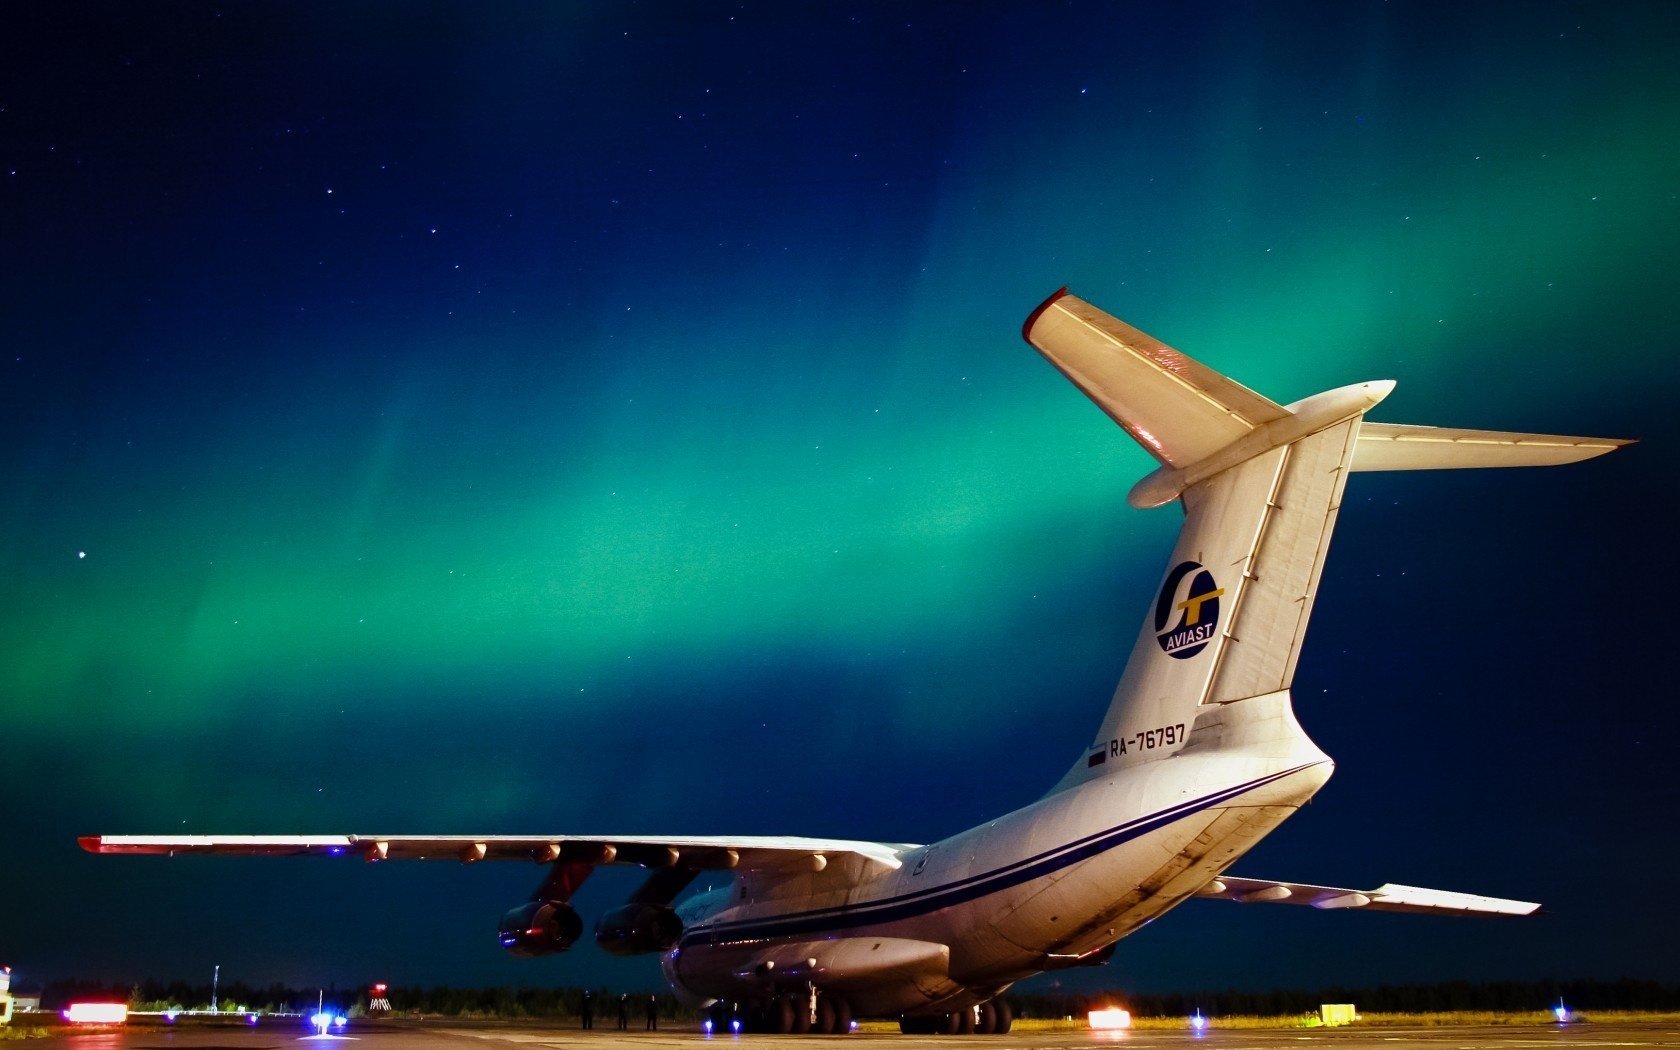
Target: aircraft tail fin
1261, 485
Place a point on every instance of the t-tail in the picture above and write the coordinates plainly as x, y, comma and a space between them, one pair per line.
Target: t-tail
1261, 484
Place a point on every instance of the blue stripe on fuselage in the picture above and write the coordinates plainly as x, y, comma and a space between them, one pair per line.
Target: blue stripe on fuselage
921, 902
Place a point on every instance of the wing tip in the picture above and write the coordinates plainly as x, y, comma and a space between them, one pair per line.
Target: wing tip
1038, 311
1593, 448
91, 843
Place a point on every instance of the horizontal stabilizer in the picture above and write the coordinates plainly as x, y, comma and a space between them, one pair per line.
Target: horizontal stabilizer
1178, 409
1396, 446
1387, 897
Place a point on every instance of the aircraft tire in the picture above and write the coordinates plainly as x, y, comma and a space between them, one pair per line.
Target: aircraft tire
824, 1024
842, 1015
800, 1009
1005, 1017
965, 1021
986, 1022
779, 1016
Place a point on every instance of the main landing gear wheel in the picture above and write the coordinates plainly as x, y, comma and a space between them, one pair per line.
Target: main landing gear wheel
960, 1022
801, 1009
774, 1017
824, 1024
842, 1015
989, 1018
1003, 1017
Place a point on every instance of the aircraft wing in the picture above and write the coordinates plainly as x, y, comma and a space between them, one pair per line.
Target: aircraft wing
1387, 897
766, 853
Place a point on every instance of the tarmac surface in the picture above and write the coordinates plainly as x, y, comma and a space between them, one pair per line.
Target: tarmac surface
446, 1036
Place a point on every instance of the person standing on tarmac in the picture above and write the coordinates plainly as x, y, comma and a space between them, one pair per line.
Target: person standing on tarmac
587, 1014
623, 1011
653, 1013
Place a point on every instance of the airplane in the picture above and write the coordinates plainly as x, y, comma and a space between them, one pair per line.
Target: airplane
1198, 757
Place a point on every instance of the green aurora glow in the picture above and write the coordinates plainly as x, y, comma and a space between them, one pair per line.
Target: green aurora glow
668, 445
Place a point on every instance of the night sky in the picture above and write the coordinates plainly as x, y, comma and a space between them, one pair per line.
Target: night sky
613, 418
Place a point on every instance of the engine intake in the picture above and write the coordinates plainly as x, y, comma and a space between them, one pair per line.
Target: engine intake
636, 929
540, 928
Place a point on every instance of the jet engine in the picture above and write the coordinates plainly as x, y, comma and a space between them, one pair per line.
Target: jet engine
540, 928
637, 928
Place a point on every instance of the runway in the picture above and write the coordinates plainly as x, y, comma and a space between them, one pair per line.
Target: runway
447, 1036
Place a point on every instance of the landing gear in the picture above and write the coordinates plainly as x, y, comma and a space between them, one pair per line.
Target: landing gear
1004, 1017
989, 1018
800, 1007
776, 1016
793, 1014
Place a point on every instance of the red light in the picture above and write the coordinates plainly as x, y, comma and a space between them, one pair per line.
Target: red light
96, 1013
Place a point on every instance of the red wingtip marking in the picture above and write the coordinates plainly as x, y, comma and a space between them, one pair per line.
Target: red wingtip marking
1038, 311
88, 842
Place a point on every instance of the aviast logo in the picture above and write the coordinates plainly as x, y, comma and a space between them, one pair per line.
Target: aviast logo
1190, 593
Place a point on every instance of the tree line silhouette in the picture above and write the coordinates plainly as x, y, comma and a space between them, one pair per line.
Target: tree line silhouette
561, 1003
1446, 996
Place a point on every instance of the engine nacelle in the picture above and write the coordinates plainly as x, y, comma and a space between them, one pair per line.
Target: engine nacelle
540, 928
635, 929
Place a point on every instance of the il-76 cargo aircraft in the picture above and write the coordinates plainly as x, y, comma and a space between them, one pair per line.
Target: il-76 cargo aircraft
1198, 758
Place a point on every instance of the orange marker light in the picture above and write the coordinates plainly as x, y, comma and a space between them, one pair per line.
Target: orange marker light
96, 1013
1109, 1019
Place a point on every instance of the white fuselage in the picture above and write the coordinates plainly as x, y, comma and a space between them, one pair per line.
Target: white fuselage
1036, 889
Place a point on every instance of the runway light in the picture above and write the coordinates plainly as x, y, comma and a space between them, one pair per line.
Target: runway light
339, 1021
1197, 1021
706, 1026
1109, 1018
96, 1013
735, 1026
1561, 1012
321, 1021
854, 1026
250, 1018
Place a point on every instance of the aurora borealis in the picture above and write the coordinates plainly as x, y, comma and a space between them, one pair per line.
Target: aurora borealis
613, 418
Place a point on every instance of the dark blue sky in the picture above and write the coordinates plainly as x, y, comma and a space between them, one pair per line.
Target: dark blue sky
612, 418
